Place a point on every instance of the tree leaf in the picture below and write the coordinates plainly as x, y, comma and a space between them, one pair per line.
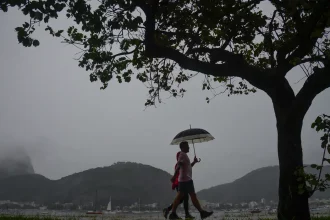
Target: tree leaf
4, 7
317, 33
314, 166
46, 19
36, 43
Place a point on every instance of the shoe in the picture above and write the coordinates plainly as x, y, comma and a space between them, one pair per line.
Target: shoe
165, 213
189, 217
205, 214
174, 216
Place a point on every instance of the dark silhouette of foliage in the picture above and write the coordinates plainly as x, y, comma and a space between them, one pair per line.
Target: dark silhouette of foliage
318, 181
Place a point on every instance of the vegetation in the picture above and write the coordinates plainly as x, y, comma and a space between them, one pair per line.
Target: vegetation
321, 218
124, 182
319, 182
161, 41
38, 217
257, 184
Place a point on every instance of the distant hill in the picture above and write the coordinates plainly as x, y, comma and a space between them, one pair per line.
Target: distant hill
30, 187
258, 184
14, 160
124, 182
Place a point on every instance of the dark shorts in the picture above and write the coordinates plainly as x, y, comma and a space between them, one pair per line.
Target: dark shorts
186, 187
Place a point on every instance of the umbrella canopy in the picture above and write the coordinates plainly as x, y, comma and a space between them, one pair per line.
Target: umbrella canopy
192, 135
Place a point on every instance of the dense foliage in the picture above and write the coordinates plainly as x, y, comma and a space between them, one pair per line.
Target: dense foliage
155, 40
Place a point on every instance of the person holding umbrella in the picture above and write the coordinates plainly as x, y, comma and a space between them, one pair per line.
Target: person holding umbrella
185, 199
186, 184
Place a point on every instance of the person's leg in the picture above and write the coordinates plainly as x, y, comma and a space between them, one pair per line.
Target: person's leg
186, 203
178, 200
186, 206
166, 211
181, 201
203, 213
169, 208
191, 189
195, 201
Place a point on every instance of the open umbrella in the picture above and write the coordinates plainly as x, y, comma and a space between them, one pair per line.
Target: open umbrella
192, 136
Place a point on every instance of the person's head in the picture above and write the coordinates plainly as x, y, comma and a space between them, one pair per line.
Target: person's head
184, 146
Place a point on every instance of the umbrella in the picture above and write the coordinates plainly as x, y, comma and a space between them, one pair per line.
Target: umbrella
192, 136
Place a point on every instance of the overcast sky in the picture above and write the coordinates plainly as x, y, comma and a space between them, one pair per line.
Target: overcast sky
67, 124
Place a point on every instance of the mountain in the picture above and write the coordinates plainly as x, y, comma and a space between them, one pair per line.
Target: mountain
125, 182
258, 184
14, 160
27, 187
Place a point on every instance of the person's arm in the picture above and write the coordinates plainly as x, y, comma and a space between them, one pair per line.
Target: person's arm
179, 164
194, 162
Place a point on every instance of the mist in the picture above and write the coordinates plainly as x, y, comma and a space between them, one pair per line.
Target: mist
14, 159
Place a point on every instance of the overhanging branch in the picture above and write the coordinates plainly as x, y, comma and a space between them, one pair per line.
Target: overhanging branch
235, 68
194, 37
253, 75
314, 85
219, 54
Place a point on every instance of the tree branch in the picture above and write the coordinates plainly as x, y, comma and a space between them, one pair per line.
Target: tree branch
268, 40
313, 59
303, 42
123, 53
256, 77
235, 67
319, 176
219, 54
314, 85
193, 37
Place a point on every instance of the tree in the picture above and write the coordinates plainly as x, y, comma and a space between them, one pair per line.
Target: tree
161, 42
317, 181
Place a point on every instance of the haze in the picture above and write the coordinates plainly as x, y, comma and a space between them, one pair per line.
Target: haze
67, 124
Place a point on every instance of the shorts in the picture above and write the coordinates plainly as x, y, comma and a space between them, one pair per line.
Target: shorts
186, 187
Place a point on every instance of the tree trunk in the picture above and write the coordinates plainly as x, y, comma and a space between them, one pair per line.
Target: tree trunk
292, 205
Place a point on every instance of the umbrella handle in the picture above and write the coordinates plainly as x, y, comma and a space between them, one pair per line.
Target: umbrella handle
199, 159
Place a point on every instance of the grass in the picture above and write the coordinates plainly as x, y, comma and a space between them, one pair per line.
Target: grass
84, 217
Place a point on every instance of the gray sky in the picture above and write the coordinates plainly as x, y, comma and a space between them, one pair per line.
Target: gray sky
68, 124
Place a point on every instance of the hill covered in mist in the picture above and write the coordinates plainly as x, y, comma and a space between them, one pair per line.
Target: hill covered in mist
124, 182
14, 160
